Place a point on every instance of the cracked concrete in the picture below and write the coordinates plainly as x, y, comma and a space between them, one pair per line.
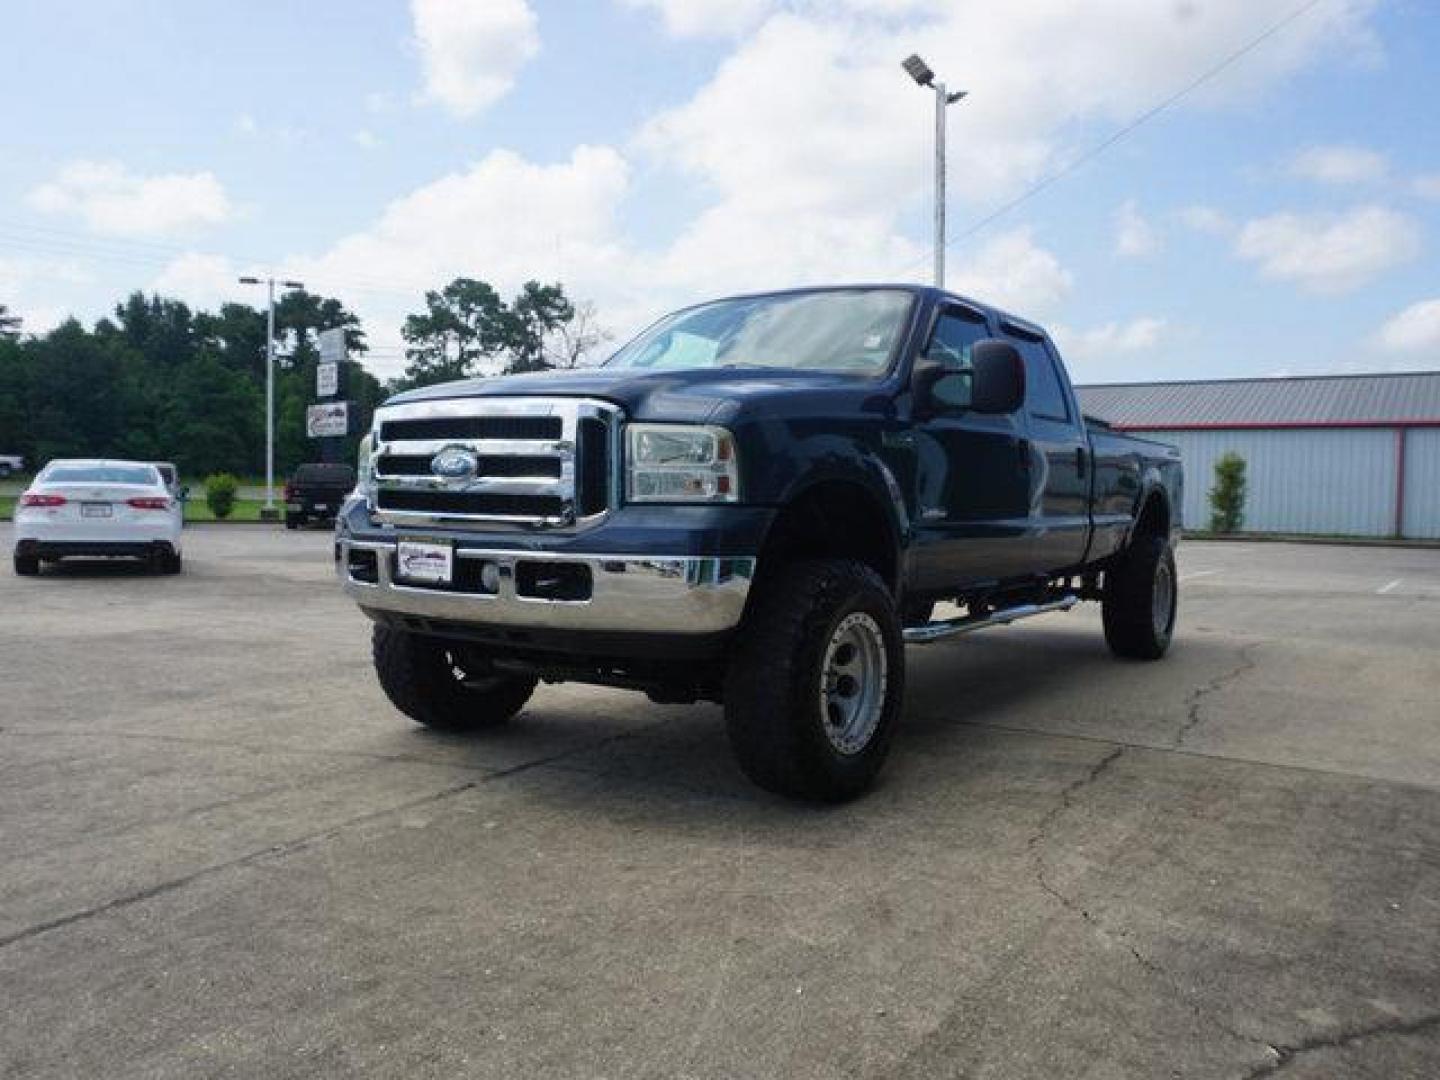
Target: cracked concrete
225, 854
1200, 695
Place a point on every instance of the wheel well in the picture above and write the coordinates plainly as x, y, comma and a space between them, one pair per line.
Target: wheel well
834, 520
1154, 519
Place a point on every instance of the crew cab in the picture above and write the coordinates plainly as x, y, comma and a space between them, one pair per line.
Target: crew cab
758, 501
316, 491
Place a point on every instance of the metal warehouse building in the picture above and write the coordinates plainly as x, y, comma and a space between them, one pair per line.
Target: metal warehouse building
1348, 455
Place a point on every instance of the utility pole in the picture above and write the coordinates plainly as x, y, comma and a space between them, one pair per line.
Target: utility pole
269, 512
921, 73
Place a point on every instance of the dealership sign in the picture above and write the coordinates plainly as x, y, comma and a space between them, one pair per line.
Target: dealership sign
327, 380
328, 420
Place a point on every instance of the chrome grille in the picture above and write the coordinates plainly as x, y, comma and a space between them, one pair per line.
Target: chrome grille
539, 461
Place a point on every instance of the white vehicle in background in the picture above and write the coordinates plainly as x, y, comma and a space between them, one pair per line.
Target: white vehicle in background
98, 508
10, 464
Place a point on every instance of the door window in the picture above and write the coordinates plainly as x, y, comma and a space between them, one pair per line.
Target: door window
956, 332
1044, 394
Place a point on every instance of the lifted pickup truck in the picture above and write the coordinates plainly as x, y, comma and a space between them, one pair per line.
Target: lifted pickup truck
758, 501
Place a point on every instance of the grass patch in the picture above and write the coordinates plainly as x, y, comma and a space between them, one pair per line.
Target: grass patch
7, 507
245, 510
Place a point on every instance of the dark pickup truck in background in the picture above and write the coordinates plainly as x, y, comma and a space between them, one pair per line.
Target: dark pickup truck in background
758, 501
316, 492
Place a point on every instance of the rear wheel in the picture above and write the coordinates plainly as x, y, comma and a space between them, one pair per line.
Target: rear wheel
171, 563
813, 693
443, 684
291, 521
27, 565
1141, 600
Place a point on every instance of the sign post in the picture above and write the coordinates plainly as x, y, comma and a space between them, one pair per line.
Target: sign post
329, 420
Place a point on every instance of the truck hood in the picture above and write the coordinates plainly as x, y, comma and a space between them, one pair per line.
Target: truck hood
700, 395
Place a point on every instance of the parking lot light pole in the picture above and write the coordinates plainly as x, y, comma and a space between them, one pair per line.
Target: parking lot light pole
921, 73
269, 511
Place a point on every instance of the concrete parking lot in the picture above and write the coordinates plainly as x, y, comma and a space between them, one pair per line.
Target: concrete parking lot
225, 855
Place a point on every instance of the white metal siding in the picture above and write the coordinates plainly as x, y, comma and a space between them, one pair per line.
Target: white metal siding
1339, 482
1422, 483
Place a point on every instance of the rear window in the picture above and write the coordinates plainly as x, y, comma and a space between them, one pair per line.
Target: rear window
336, 475
100, 474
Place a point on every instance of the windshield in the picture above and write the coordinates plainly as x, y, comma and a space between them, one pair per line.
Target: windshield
100, 474
845, 330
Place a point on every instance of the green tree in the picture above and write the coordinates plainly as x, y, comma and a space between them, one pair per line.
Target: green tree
1227, 497
9, 324
467, 326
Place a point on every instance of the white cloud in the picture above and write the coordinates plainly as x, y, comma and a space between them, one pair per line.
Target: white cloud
112, 200
1135, 236
811, 112
1012, 272
701, 18
201, 280
1340, 165
1427, 186
472, 50
1415, 329
1111, 339
1207, 219
1329, 253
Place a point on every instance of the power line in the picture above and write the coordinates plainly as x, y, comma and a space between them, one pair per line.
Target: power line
1121, 132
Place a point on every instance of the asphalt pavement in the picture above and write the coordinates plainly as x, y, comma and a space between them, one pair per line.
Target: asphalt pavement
225, 854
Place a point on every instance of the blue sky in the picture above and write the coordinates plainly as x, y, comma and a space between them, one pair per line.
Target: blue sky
1281, 218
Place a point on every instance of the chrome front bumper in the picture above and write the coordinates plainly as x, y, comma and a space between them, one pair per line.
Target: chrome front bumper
691, 595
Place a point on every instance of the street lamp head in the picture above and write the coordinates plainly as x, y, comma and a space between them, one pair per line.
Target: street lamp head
249, 281
919, 70
293, 284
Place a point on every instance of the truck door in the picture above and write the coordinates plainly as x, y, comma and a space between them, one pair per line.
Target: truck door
1059, 453
970, 488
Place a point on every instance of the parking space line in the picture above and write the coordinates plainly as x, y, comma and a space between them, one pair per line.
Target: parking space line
1197, 573
1386, 588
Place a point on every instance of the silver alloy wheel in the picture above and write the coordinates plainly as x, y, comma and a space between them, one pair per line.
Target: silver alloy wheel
1162, 600
852, 683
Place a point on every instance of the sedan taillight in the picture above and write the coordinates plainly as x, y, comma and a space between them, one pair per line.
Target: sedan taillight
148, 503
30, 499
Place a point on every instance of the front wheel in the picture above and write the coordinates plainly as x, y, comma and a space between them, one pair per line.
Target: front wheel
1141, 599
813, 692
443, 684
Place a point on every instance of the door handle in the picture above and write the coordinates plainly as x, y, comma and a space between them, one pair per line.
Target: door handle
1080, 459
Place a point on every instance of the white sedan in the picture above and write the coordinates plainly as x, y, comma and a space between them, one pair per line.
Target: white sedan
98, 508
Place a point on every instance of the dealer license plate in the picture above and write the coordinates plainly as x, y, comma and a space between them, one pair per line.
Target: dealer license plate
95, 510
425, 562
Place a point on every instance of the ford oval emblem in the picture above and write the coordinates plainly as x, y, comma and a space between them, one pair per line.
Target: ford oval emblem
455, 463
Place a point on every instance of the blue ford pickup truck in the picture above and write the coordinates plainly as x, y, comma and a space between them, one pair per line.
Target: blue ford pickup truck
758, 501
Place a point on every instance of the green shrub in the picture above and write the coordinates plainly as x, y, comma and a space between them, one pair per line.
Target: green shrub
220, 494
1227, 497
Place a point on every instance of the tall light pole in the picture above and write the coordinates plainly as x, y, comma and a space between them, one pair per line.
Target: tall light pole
921, 73
270, 385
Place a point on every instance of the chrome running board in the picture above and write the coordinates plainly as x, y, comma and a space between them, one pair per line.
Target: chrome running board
935, 631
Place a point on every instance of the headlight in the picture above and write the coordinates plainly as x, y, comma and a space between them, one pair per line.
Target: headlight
365, 468
680, 464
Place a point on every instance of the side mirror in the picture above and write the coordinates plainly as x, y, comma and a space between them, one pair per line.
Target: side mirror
998, 374
184, 493
937, 388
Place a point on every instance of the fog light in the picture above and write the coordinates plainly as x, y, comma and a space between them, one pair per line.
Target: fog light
490, 577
